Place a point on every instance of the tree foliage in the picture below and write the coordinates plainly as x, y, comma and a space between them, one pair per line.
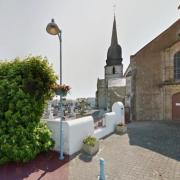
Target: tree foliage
25, 88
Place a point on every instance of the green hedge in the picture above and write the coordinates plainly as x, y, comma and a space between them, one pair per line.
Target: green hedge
25, 88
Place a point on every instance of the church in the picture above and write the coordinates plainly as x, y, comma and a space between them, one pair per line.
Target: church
112, 88
150, 86
153, 78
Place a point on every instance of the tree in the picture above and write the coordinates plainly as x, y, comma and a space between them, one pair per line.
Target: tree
25, 88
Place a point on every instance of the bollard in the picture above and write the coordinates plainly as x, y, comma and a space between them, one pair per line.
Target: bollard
61, 140
102, 176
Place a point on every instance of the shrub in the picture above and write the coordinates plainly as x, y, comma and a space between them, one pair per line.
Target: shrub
91, 141
25, 88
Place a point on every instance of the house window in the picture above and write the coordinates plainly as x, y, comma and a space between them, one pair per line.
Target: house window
177, 66
113, 70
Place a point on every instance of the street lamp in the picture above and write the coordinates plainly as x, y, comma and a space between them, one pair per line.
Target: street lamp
53, 29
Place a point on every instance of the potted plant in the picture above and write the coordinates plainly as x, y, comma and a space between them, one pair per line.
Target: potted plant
61, 90
120, 128
90, 145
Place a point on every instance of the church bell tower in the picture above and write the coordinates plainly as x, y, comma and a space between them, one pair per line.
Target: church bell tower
114, 66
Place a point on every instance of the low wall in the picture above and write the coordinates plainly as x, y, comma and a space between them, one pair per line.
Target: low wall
76, 130
110, 121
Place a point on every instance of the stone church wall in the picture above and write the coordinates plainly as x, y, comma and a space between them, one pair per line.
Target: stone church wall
151, 67
116, 94
101, 98
169, 87
101, 94
147, 93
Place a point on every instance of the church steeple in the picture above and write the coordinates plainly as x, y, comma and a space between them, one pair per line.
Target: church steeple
114, 55
114, 40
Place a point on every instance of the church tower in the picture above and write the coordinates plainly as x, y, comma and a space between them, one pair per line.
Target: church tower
114, 66
111, 89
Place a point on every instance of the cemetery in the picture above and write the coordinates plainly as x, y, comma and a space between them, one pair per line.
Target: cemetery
76, 130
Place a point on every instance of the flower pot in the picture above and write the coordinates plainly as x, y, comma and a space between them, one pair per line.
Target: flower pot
120, 129
60, 92
90, 150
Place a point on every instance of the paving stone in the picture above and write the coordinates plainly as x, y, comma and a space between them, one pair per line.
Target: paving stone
149, 151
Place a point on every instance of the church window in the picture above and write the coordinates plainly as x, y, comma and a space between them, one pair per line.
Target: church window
113, 70
177, 66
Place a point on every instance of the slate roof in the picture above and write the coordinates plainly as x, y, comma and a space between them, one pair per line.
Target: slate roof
114, 55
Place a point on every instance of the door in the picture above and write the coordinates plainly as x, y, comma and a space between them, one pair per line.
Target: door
127, 114
176, 106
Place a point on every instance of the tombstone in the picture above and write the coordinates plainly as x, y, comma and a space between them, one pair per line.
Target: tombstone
50, 111
72, 112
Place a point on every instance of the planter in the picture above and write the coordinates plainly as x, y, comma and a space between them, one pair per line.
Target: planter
90, 150
120, 129
61, 93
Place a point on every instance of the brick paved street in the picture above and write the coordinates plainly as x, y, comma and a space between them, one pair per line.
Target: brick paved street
149, 151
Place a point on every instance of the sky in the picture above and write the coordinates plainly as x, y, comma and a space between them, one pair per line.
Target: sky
86, 33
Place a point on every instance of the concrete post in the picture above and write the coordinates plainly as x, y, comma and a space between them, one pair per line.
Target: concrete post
102, 175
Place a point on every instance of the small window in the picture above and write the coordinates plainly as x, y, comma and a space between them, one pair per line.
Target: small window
177, 66
113, 70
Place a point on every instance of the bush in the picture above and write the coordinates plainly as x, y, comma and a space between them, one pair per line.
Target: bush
25, 88
91, 141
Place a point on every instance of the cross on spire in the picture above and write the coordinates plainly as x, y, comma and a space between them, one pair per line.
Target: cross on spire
114, 7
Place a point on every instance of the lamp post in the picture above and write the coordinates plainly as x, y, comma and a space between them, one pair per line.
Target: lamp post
53, 29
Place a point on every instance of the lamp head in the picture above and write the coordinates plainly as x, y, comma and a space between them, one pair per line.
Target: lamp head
52, 28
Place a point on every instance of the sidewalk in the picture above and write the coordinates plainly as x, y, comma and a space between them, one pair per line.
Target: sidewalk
46, 166
149, 151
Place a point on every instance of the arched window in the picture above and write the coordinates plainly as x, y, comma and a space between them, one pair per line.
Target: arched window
113, 70
177, 66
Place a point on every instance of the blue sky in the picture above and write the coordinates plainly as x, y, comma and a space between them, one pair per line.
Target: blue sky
86, 26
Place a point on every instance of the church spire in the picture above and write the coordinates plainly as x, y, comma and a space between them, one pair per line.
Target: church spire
114, 55
114, 39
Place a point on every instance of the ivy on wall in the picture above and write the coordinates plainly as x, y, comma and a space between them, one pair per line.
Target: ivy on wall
25, 88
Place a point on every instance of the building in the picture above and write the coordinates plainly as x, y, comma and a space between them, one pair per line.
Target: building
150, 87
153, 76
112, 88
